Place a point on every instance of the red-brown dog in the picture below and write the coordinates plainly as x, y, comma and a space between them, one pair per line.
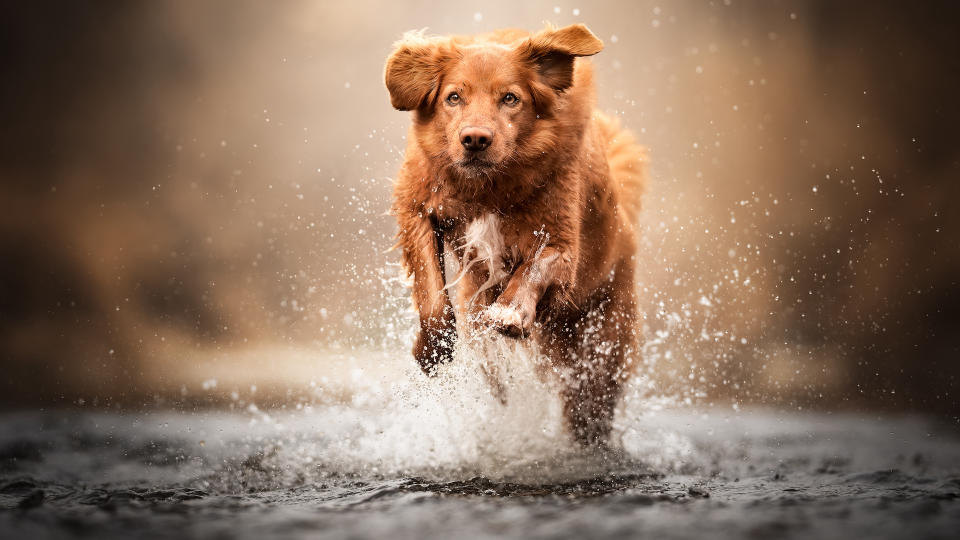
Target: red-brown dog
511, 169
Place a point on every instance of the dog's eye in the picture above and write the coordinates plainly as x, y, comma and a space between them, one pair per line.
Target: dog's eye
453, 98
510, 99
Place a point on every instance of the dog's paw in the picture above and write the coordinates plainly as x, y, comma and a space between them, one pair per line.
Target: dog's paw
433, 346
509, 320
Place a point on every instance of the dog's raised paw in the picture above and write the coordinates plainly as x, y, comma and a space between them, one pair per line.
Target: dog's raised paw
509, 320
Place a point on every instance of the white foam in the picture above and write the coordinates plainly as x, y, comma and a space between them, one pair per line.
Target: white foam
494, 411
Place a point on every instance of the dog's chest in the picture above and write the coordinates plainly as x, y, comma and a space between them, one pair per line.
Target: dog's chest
486, 245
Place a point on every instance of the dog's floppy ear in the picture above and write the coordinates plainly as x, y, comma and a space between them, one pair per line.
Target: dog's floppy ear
414, 69
552, 51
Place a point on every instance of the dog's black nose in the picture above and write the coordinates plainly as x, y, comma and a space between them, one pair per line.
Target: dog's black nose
475, 138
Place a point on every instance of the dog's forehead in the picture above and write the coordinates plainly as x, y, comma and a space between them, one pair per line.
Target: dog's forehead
487, 65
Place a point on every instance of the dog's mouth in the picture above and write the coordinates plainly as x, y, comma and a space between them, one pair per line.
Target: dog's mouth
476, 163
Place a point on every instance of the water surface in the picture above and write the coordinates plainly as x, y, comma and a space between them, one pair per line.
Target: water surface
380, 453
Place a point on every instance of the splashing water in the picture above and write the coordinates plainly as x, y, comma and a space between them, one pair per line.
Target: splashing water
493, 412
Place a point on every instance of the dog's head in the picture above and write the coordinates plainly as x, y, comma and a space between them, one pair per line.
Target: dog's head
477, 99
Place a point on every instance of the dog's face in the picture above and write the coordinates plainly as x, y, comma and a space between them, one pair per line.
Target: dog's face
479, 101
482, 105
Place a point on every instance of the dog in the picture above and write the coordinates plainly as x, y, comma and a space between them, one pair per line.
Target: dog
512, 172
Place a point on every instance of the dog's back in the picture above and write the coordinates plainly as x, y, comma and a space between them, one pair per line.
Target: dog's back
627, 160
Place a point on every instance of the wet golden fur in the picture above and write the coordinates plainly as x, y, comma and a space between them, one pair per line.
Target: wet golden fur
548, 208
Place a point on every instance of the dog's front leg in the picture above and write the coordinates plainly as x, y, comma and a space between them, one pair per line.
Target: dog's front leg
422, 243
515, 310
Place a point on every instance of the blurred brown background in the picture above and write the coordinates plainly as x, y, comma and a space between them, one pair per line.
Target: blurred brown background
196, 190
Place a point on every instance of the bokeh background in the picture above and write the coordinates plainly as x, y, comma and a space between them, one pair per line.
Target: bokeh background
194, 195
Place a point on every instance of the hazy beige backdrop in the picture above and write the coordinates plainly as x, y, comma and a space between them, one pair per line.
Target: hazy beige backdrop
196, 190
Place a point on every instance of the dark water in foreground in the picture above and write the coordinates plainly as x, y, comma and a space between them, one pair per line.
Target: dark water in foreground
758, 474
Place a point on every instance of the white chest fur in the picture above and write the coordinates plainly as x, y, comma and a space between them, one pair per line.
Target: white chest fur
482, 243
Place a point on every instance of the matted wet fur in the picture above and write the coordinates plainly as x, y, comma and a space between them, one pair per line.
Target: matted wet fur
510, 169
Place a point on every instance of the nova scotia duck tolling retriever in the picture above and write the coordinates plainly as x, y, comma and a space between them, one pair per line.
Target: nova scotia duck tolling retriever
511, 172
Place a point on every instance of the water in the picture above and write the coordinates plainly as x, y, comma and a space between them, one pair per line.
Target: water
390, 455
